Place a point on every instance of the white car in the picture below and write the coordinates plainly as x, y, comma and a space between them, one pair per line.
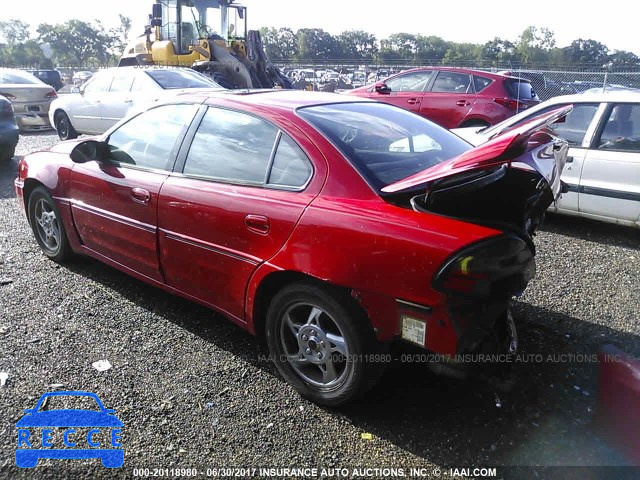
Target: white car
603, 166
110, 95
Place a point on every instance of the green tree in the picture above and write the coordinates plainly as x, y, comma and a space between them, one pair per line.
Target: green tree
623, 59
78, 43
430, 49
534, 45
316, 44
13, 32
358, 45
500, 52
591, 52
462, 54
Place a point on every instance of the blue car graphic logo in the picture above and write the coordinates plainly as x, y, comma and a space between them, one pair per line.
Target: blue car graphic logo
32, 447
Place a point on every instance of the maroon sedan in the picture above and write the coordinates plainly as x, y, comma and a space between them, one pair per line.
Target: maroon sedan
327, 227
454, 97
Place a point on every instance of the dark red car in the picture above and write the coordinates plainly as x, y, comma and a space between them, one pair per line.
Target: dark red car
327, 227
454, 97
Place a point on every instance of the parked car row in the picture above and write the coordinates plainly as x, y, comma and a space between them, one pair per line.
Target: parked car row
29, 96
231, 200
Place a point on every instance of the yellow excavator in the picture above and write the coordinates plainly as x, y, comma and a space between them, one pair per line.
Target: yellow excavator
182, 33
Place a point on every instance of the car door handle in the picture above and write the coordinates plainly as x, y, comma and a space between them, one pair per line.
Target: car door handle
257, 223
569, 160
128, 101
462, 103
413, 101
140, 195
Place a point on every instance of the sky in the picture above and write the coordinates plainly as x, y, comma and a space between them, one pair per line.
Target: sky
460, 21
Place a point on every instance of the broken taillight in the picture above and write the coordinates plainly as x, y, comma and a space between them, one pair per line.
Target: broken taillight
499, 267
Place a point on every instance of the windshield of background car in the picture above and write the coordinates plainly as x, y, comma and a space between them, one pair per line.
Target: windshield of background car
384, 143
520, 90
173, 79
22, 78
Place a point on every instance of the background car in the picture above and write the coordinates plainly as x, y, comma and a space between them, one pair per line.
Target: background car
111, 94
251, 203
81, 77
454, 97
9, 132
603, 167
50, 77
29, 96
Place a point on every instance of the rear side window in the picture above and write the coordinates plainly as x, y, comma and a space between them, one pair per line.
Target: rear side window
480, 83
520, 90
622, 130
452, 82
291, 167
232, 147
100, 83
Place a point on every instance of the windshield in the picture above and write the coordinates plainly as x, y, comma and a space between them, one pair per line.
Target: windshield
173, 79
384, 143
17, 77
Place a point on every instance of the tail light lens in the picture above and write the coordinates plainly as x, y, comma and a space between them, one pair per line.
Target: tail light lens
499, 267
511, 103
8, 96
51, 94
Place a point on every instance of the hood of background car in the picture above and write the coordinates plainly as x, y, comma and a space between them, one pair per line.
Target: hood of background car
506, 148
69, 418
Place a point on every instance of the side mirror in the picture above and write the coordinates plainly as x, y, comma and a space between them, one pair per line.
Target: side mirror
382, 88
89, 150
156, 15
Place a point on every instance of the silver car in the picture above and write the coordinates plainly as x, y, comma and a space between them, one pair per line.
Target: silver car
111, 94
29, 96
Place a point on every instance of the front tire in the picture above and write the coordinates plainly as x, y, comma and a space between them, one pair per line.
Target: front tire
47, 226
63, 127
322, 343
7, 152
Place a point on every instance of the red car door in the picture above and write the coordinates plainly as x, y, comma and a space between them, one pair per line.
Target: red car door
449, 100
115, 202
404, 90
241, 191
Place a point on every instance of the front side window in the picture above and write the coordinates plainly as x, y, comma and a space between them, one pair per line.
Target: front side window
151, 139
576, 123
410, 82
121, 82
384, 143
622, 130
232, 147
452, 82
100, 83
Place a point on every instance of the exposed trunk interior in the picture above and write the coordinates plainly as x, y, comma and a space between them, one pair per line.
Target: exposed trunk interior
507, 198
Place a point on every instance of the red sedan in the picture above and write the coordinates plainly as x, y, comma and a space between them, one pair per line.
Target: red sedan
328, 227
454, 97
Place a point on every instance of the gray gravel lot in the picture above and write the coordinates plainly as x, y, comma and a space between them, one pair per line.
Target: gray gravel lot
192, 391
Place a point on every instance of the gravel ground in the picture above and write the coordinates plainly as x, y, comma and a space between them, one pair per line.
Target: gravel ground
192, 391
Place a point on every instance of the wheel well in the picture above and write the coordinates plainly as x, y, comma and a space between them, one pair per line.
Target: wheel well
29, 186
276, 281
474, 122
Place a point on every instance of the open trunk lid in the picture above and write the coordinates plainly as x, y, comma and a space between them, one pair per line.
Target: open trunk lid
510, 147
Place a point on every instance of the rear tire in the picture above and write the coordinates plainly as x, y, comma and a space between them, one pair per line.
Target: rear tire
47, 226
322, 343
63, 127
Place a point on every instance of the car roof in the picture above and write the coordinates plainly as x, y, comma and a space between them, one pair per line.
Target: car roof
469, 71
282, 99
599, 97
